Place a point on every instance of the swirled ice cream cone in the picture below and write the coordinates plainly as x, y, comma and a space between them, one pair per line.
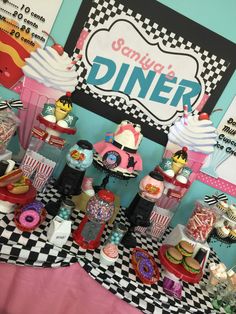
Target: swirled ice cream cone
60, 114
177, 166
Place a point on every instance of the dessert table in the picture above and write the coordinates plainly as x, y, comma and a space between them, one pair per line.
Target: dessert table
70, 264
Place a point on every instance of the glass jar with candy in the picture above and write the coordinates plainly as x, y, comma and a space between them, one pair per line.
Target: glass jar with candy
66, 209
101, 206
117, 234
201, 222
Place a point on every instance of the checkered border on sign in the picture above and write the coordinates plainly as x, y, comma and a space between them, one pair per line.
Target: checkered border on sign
101, 11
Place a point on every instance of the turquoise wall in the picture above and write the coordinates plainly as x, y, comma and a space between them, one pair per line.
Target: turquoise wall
217, 15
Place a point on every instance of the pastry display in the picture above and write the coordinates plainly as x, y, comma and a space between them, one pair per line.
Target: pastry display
174, 256
185, 248
191, 265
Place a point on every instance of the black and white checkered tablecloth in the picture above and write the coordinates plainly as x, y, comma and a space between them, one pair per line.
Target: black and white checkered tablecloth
25, 248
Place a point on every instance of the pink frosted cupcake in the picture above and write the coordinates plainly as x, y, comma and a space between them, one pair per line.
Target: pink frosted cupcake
109, 254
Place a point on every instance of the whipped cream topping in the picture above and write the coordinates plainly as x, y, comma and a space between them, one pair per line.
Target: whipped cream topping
197, 135
48, 67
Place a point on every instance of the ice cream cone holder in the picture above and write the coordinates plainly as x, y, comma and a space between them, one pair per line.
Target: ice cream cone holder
55, 127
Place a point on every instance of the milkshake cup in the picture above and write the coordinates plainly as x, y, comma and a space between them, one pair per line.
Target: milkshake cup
48, 76
198, 135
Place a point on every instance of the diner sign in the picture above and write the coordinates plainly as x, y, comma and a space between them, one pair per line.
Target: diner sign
141, 61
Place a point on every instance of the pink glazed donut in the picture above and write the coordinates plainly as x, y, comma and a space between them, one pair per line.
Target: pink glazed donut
29, 218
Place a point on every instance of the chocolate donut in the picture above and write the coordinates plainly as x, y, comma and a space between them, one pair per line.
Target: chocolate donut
29, 218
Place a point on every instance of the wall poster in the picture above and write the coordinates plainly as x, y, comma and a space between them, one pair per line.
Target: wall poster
22, 23
142, 61
219, 168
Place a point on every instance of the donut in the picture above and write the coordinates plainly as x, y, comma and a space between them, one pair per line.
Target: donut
139, 255
36, 205
145, 268
29, 218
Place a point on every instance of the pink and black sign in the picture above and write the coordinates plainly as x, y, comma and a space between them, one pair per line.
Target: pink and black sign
142, 61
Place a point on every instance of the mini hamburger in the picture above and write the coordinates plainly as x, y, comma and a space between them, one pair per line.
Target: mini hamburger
185, 248
173, 255
191, 265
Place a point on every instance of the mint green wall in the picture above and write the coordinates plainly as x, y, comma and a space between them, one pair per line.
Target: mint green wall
217, 15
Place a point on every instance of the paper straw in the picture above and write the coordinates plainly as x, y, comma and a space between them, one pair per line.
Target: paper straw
185, 115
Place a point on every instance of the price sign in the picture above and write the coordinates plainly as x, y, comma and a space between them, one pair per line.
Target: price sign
219, 169
22, 23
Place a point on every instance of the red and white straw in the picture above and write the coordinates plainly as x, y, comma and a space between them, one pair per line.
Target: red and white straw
185, 115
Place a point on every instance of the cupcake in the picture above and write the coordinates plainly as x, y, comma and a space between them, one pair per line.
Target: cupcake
222, 206
232, 234
231, 212
222, 232
109, 254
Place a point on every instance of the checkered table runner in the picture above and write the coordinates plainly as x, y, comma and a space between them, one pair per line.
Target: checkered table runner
25, 248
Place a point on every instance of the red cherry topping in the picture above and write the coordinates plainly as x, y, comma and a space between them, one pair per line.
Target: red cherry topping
59, 49
203, 116
185, 149
68, 94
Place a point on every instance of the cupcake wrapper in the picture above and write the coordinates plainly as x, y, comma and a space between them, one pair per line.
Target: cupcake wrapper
221, 234
231, 216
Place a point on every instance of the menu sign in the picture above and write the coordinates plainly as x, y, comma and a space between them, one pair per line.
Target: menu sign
221, 163
22, 26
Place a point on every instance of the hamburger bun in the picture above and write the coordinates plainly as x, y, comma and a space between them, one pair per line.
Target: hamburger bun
191, 265
173, 255
185, 248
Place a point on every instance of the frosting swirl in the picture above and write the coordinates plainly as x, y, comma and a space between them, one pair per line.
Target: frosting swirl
48, 67
197, 135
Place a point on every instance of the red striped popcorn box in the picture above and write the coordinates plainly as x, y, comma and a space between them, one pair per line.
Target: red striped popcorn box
143, 230
160, 221
43, 174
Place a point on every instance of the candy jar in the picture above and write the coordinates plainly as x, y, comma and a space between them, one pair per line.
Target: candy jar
109, 252
140, 209
201, 222
99, 210
66, 209
8, 124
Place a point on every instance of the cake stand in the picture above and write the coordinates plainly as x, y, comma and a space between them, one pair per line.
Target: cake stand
8, 200
178, 270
